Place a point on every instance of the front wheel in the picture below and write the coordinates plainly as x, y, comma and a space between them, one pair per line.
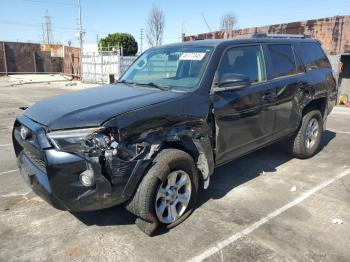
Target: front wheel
305, 142
167, 193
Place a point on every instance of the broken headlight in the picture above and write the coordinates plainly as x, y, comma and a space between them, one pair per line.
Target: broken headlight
90, 141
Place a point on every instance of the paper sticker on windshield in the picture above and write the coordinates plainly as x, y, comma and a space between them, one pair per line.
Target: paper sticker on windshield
192, 56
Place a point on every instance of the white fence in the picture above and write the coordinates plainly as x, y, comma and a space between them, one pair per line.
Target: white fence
97, 66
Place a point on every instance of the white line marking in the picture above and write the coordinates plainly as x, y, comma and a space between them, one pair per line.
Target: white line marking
340, 132
6, 119
341, 111
5, 145
7, 172
224, 243
14, 194
24, 101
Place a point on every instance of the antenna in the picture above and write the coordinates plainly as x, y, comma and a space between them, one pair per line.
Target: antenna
206, 22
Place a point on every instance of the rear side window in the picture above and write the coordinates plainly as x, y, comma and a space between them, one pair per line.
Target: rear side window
313, 56
282, 60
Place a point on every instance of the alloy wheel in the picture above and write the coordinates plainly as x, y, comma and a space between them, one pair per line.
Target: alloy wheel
173, 196
311, 133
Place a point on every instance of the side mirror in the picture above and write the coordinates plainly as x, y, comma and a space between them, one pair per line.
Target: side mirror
232, 81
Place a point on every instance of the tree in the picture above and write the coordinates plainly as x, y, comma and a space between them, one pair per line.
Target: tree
124, 40
228, 21
155, 27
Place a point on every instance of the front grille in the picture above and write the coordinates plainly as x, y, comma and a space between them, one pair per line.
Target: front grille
29, 145
37, 161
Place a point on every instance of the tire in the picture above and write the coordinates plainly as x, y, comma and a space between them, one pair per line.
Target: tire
304, 145
165, 166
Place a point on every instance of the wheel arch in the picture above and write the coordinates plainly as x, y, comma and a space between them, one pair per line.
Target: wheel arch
317, 103
199, 149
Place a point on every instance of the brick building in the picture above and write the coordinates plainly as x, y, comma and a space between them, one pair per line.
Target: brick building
333, 32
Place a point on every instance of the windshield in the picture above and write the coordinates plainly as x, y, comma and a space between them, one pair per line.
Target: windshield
170, 67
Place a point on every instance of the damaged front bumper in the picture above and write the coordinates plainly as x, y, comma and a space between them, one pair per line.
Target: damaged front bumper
54, 175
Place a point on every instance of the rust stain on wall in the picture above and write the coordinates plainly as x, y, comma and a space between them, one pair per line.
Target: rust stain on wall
333, 32
55, 50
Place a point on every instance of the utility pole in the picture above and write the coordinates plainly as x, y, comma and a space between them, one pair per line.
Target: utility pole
47, 29
141, 40
80, 36
183, 30
43, 34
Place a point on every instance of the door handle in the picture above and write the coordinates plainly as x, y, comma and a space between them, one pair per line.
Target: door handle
269, 96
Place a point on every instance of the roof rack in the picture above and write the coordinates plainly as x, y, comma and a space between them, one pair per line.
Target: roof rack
264, 35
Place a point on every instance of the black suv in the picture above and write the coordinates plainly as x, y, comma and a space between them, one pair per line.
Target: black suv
153, 139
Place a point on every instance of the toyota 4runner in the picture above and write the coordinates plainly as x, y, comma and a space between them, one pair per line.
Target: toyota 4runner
153, 139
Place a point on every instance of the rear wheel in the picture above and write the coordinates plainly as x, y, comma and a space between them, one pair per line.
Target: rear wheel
305, 142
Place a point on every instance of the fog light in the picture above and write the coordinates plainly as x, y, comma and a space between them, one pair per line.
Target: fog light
87, 178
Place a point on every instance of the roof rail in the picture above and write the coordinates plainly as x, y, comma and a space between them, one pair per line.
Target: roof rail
264, 35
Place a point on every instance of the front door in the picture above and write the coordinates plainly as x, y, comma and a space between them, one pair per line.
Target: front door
245, 117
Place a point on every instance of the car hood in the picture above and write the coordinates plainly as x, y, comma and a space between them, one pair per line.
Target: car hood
93, 106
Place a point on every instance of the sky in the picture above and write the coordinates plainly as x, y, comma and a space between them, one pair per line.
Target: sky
21, 20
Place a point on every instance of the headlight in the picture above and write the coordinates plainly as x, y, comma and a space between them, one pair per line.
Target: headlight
80, 141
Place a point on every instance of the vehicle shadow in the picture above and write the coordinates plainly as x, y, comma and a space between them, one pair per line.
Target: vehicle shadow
246, 168
116, 215
226, 177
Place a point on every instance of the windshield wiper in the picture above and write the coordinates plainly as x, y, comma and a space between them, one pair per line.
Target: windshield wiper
152, 84
126, 82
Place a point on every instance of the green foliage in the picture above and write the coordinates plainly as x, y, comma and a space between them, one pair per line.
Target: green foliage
127, 41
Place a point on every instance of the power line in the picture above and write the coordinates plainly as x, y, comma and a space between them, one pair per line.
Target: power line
39, 25
48, 2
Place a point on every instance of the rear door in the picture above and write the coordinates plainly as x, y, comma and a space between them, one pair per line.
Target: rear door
319, 71
244, 118
287, 75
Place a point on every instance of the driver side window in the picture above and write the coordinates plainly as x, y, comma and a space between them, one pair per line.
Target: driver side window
244, 60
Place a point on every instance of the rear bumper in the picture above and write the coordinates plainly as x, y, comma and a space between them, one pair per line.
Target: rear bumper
55, 177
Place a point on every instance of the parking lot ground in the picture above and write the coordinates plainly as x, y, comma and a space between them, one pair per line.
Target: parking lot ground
249, 212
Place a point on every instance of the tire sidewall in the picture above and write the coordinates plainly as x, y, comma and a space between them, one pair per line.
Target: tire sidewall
315, 114
167, 161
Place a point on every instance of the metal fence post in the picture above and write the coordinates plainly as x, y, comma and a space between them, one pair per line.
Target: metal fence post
94, 62
34, 62
120, 61
5, 58
102, 67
